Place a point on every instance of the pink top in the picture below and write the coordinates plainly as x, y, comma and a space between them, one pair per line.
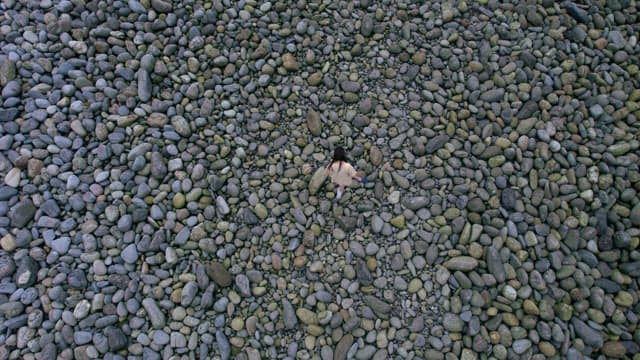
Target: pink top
341, 173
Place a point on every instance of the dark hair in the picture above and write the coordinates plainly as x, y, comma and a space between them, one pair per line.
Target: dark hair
338, 155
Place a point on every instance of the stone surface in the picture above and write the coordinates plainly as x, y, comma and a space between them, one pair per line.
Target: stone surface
163, 172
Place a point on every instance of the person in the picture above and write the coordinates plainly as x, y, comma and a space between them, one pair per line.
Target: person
341, 172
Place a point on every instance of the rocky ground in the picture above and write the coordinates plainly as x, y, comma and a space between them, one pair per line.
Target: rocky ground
160, 198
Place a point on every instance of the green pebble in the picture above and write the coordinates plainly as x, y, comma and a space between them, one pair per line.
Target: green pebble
179, 201
398, 221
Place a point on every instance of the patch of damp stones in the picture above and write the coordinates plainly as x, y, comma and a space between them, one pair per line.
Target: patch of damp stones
160, 198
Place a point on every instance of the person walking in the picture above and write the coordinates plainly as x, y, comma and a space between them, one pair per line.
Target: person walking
341, 172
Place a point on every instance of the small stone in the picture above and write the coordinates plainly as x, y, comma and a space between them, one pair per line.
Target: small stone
116, 338
307, 316
144, 85
462, 263
317, 180
624, 298
366, 28
219, 274
314, 123
7, 266
452, 322
158, 120
614, 349
589, 335
495, 264
156, 316
577, 13
521, 345
398, 221
414, 286
26, 274
375, 155
342, 349
289, 62
162, 6
547, 349
288, 315
13, 177
634, 215
436, 143
380, 307
7, 71
61, 245
179, 201
8, 242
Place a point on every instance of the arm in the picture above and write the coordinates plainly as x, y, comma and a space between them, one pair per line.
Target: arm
361, 179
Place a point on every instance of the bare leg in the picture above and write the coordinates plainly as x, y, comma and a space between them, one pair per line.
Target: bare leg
339, 192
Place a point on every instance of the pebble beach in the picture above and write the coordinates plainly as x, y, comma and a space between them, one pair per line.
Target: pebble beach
163, 193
